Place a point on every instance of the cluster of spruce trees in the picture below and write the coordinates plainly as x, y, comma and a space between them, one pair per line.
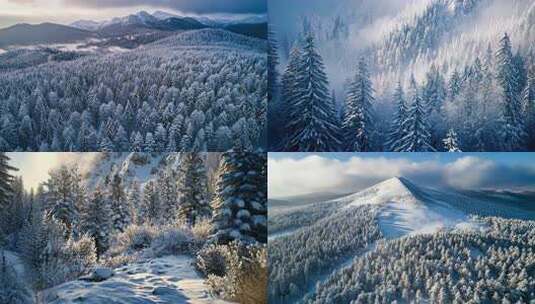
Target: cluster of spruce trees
452, 267
489, 106
64, 228
299, 260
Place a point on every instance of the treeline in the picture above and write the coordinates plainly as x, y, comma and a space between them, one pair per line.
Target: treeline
487, 106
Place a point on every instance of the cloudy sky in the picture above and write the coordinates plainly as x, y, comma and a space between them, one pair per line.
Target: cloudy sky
67, 11
292, 174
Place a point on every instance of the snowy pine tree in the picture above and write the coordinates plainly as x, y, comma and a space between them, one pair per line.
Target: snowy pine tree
512, 129
168, 198
192, 189
358, 121
451, 142
273, 62
121, 210
398, 128
313, 124
6, 180
62, 199
240, 203
418, 136
95, 220
149, 208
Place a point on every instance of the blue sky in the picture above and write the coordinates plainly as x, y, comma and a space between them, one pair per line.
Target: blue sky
293, 174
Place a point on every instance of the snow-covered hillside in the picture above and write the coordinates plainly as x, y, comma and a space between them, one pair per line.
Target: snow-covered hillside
332, 237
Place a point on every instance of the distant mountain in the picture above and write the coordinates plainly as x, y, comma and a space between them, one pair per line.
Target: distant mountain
45, 33
145, 22
258, 30
87, 25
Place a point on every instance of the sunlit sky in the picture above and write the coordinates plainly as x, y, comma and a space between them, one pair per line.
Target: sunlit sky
293, 174
68, 11
34, 167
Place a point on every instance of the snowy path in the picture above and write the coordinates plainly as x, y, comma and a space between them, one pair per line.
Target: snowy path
170, 279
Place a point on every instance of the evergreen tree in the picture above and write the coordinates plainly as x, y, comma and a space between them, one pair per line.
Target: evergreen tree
240, 203
134, 199
61, 199
358, 121
398, 128
511, 130
121, 211
6, 180
418, 136
313, 125
451, 142
149, 209
95, 220
192, 189
168, 199
273, 62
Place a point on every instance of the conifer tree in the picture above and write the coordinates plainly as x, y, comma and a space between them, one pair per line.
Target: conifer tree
313, 125
451, 142
6, 180
168, 198
240, 203
398, 128
192, 187
121, 211
418, 136
95, 220
358, 121
511, 130
149, 209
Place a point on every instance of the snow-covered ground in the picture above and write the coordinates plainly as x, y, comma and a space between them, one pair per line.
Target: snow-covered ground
170, 279
402, 212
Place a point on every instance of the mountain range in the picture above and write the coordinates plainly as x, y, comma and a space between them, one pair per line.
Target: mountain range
141, 24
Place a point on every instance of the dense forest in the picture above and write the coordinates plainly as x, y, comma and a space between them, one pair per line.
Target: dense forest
491, 267
468, 99
200, 90
64, 230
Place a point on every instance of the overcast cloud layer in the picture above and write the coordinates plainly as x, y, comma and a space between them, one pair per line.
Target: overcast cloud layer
186, 6
313, 174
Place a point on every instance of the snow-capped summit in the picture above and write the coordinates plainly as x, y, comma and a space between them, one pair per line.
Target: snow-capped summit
393, 189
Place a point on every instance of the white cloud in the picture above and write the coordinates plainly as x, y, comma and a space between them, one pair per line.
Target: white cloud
316, 173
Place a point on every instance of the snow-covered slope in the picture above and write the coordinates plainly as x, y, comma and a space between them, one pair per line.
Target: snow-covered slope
402, 210
134, 166
407, 208
170, 280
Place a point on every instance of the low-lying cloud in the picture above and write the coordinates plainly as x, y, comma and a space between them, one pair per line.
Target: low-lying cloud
314, 174
186, 6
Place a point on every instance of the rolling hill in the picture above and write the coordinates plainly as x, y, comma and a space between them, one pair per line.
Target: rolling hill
44, 33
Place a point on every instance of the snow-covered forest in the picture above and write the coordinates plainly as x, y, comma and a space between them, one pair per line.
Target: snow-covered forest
198, 90
398, 242
166, 228
433, 81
